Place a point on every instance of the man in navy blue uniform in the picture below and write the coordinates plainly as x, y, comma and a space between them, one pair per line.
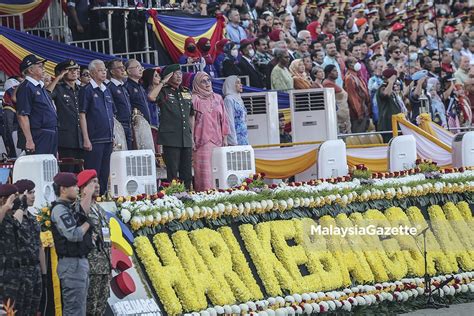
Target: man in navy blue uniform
121, 97
36, 112
138, 95
96, 109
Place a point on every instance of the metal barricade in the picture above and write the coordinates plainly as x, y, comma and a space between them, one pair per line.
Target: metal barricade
102, 45
12, 21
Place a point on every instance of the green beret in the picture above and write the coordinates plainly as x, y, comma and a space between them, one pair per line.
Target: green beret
169, 69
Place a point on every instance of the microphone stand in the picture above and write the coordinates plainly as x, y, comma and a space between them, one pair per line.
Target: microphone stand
431, 303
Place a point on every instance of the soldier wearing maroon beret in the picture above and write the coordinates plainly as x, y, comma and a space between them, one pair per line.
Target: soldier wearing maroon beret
72, 233
31, 250
10, 261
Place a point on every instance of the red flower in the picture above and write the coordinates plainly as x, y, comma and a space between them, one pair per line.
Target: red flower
160, 195
165, 184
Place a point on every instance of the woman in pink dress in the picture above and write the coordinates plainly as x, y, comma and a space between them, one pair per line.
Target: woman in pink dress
210, 129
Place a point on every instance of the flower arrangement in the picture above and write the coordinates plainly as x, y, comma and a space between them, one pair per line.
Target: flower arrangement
151, 211
44, 218
361, 172
174, 187
348, 299
426, 165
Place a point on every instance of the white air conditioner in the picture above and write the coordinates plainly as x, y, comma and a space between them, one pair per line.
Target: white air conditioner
313, 115
313, 118
262, 117
231, 165
132, 172
332, 159
463, 150
401, 153
40, 169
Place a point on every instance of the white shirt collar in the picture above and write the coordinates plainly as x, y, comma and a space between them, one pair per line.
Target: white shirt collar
95, 85
35, 82
116, 82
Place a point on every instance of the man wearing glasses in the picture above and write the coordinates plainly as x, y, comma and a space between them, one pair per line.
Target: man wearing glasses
65, 93
121, 97
36, 112
176, 126
96, 116
138, 95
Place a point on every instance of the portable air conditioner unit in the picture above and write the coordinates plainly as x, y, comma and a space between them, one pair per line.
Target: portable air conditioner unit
40, 169
132, 172
313, 118
463, 150
231, 165
262, 117
401, 153
332, 159
313, 115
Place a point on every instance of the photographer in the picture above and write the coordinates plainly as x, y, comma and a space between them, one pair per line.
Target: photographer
11, 276
30, 249
72, 236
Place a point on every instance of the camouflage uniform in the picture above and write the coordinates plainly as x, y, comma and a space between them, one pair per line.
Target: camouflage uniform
29, 247
100, 266
11, 274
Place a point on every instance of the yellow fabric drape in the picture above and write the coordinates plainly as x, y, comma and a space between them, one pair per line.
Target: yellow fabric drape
375, 165
178, 39
425, 125
56, 284
21, 53
19, 8
280, 169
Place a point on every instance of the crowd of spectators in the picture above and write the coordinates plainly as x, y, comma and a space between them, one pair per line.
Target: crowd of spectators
381, 57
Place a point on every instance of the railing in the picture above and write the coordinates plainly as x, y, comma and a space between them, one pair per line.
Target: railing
12, 21
194, 67
103, 45
53, 25
149, 57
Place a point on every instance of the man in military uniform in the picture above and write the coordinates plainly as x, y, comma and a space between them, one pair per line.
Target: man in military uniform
96, 110
65, 93
99, 258
35, 111
30, 250
72, 234
138, 95
11, 274
121, 98
176, 126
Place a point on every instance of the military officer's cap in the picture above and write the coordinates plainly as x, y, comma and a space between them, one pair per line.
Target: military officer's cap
169, 69
24, 185
65, 179
67, 64
7, 190
29, 61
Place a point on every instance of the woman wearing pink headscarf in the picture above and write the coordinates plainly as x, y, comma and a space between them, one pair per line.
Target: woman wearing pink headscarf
210, 129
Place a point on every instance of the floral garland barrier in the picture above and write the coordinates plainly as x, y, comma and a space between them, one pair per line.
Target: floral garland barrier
277, 258
348, 298
144, 213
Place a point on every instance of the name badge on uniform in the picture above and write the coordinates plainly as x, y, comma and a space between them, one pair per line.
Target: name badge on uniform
186, 95
106, 234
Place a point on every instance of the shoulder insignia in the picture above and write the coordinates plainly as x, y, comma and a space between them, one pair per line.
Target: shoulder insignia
68, 220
